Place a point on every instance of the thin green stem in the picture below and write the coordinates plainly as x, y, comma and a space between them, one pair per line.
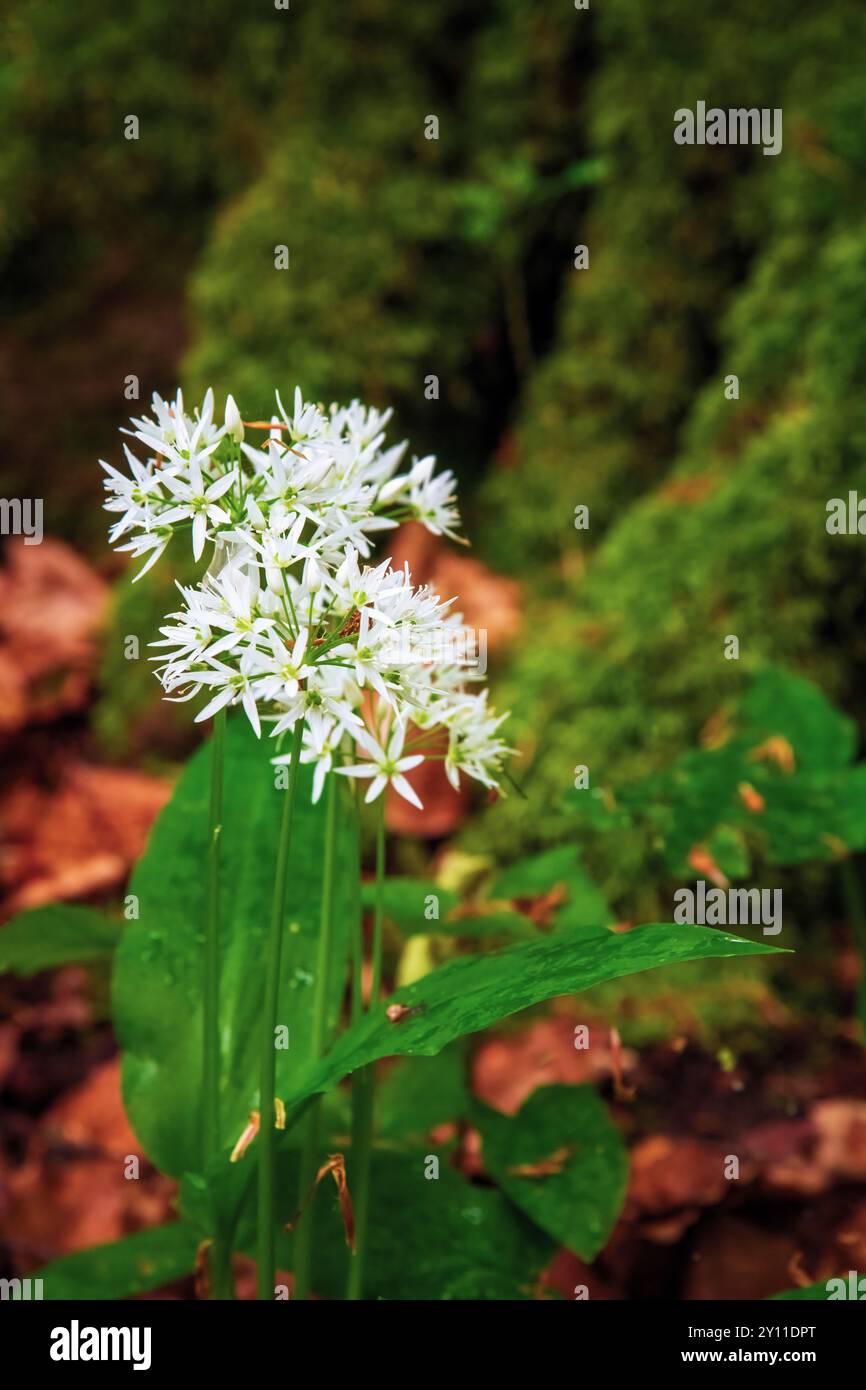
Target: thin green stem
221, 1277
379, 914
222, 1280
211, 1038
364, 1092
310, 1148
362, 1153
357, 944
288, 594
267, 1084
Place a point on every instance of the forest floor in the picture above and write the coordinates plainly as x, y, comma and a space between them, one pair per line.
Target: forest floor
747, 1174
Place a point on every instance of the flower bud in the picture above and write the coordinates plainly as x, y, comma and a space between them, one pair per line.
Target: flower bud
314, 575
394, 486
234, 423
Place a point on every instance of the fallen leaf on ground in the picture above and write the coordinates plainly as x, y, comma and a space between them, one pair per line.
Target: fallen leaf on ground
508, 1068
52, 605
77, 837
73, 1190
489, 602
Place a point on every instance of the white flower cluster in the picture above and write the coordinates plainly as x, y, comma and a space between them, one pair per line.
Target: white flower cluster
289, 620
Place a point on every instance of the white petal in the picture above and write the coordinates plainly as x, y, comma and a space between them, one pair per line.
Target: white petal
248, 700
195, 478
319, 776
393, 488
377, 785
173, 514
199, 534
217, 703
300, 647
219, 487
400, 785
368, 743
158, 550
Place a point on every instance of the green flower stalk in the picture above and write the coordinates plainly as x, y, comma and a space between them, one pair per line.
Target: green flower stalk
309, 1159
220, 1259
267, 1083
364, 1089
369, 674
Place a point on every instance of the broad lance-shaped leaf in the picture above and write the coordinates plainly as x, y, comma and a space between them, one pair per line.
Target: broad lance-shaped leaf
474, 991
56, 935
420, 1093
133, 1265
432, 1237
562, 1161
432, 1233
158, 969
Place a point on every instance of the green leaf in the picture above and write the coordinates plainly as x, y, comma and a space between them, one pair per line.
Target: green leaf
781, 704
432, 1238
420, 1093
806, 814
481, 925
405, 901
429, 1237
727, 848
848, 822
157, 978
56, 935
133, 1265
472, 992
585, 904
568, 1129
813, 811
813, 1293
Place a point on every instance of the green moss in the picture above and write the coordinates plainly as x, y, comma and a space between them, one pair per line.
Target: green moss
407, 254
624, 660
453, 257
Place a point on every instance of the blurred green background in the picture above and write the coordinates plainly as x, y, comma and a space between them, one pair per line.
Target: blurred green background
454, 257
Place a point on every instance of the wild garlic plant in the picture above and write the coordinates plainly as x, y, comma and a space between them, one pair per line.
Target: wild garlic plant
350, 667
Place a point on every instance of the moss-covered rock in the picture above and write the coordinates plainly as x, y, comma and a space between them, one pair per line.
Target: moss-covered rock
407, 254
626, 658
